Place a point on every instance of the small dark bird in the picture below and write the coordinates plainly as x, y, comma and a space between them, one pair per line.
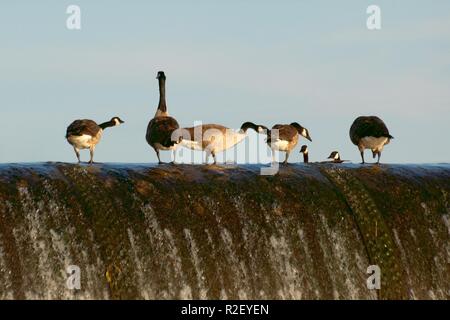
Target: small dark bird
304, 151
86, 134
161, 127
335, 157
370, 133
287, 139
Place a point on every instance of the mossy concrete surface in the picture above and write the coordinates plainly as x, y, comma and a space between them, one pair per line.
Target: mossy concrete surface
224, 232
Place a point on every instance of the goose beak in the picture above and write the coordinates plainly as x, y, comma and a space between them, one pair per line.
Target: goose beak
121, 121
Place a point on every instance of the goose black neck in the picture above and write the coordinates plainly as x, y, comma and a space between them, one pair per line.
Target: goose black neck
107, 124
249, 125
162, 95
305, 158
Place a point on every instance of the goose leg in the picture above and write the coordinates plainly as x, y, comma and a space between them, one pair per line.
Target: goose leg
174, 156
77, 152
379, 156
91, 151
214, 156
157, 154
287, 156
208, 153
362, 157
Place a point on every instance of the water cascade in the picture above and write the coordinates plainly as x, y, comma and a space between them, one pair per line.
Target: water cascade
224, 232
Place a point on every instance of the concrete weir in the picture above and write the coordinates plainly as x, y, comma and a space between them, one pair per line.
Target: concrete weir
224, 232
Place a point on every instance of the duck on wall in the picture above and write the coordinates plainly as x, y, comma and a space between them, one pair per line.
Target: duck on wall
161, 127
86, 134
287, 138
214, 138
335, 157
370, 132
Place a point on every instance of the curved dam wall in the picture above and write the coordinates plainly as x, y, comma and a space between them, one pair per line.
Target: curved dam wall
224, 232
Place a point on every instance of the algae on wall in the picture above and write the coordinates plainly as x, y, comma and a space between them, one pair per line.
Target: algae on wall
205, 232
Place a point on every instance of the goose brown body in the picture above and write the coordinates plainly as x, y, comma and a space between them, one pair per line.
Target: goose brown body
212, 138
370, 132
159, 132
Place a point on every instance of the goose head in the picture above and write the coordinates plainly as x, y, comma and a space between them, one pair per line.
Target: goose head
304, 149
335, 156
117, 121
161, 75
301, 130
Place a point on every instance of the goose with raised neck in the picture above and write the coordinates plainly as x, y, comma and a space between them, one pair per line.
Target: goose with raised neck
160, 129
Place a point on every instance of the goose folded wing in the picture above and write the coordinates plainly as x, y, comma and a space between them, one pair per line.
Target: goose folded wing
285, 132
81, 127
162, 129
372, 128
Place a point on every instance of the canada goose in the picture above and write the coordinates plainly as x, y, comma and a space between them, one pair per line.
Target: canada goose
336, 157
370, 133
304, 151
287, 139
161, 127
86, 134
213, 138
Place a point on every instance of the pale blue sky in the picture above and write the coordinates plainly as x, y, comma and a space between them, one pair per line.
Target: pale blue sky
226, 62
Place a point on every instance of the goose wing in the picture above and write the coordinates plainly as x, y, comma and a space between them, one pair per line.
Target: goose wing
285, 132
82, 127
160, 131
368, 127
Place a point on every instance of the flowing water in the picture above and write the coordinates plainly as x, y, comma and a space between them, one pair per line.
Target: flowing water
224, 232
